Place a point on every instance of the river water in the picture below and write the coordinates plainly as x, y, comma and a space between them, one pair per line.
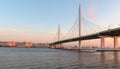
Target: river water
45, 58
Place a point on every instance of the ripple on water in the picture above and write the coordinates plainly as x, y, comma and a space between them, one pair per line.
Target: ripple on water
44, 58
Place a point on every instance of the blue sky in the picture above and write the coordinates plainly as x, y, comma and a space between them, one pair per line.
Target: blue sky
37, 20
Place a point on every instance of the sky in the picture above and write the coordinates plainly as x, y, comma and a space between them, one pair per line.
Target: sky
37, 20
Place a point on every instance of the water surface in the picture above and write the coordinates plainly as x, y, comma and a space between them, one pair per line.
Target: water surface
44, 58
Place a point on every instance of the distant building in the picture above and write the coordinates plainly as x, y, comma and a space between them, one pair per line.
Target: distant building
23, 44
11, 44
28, 44
3, 44
15, 44
40, 45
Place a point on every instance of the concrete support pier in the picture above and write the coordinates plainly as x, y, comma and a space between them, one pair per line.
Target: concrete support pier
115, 42
80, 44
102, 42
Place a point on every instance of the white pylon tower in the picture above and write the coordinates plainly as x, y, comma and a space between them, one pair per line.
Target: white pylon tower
58, 32
80, 22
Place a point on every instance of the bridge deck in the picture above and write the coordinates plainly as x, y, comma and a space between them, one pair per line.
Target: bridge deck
110, 32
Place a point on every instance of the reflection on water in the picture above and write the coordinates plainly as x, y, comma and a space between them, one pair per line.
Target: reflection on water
110, 60
116, 56
43, 58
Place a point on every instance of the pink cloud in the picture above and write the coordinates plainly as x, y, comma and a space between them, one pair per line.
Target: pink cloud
91, 11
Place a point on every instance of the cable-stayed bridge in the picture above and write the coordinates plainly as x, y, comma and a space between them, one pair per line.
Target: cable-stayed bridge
83, 29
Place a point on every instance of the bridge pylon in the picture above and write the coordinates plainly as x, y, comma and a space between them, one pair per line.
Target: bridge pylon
80, 22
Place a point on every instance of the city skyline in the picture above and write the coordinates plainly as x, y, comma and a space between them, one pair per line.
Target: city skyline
36, 21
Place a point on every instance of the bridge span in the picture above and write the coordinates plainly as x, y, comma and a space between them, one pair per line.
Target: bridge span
106, 33
113, 33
